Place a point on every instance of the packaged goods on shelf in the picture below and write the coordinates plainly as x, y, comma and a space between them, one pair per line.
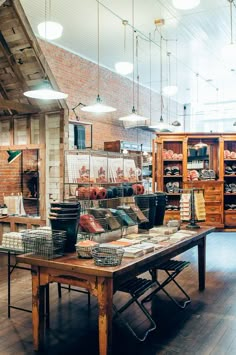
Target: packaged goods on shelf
133, 252
106, 218
89, 224
84, 248
199, 202
147, 247
15, 205
185, 207
12, 240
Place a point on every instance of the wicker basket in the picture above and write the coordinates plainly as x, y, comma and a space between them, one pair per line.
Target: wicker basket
107, 256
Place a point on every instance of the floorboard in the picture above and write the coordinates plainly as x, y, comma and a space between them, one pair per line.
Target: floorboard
206, 326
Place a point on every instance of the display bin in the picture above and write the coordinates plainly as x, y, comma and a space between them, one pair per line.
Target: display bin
45, 244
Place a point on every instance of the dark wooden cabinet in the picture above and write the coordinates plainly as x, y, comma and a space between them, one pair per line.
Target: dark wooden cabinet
218, 154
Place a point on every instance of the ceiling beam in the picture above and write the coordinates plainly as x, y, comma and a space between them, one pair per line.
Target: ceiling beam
19, 107
11, 61
4, 95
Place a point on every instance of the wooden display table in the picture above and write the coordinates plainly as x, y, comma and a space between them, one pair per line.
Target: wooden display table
101, 282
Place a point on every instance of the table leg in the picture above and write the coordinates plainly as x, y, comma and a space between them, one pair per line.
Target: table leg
202, 264
38, 295
9, 284
105, 296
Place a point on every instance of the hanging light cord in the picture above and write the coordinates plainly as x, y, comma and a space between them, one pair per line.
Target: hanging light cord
197, 75
176, 77
133, 110
137, 74
231, 21
98, 45
161, 118
150, 77
169, 75
45, 24
125, 23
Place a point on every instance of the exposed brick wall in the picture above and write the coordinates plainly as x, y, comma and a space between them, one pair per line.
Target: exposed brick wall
10, 176
78, 77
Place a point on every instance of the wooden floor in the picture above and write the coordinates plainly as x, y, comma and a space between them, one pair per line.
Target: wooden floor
206, 326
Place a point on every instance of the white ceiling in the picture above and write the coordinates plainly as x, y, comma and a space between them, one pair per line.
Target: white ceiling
201, 34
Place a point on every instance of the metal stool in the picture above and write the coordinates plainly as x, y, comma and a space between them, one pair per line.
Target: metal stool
173, 269
136, 287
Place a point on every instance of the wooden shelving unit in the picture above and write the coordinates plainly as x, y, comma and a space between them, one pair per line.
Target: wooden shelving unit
216, 197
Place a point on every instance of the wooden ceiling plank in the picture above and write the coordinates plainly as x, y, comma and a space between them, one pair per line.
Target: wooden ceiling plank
19, 107
11, 61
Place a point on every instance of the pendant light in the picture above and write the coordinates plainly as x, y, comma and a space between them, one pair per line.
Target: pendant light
229, 51
133, 117
176, 123
44, 91
98, 107
13, 154
161, 126
185, 4
170, 90
124, 67
50, 30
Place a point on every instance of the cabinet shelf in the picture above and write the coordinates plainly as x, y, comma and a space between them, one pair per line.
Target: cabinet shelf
230, 194
172, 176
200, 157
72, 198
230, 176
101, 183
229, 159
173, 160
173, 193
31, 198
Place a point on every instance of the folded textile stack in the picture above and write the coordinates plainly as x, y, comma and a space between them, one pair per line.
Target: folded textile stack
229, 155
162, 230
133, 252
12, 240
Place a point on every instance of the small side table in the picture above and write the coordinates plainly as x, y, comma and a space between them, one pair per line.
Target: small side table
10, 268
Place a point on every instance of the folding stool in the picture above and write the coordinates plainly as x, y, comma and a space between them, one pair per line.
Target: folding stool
172, 268
136, 287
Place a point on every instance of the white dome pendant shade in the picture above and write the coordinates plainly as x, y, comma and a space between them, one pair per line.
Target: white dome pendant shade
98, 107
185, 4
50, 30
45, 92
124, 68
161, 126
133, 117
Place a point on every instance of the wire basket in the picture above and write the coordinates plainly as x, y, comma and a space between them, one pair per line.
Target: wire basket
85, 252
43, 243
107, 256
